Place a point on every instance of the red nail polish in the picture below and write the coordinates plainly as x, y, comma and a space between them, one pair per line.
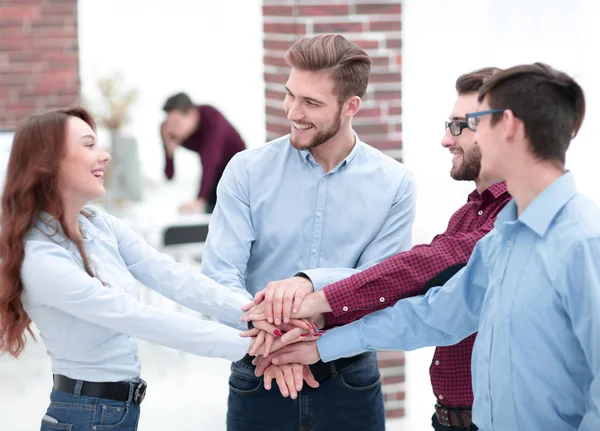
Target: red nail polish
304, 335
277, 333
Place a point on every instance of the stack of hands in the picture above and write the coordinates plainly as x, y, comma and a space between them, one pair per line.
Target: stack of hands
286, 317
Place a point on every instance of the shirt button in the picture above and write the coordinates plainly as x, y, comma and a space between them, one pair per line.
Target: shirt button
315, 251
382, 299
508, 242
319, 215
345, 308
480, 212
486, 397
437, 362
441, 397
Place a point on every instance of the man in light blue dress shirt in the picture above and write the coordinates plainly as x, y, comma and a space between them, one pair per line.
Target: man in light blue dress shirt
531, 287
316, 198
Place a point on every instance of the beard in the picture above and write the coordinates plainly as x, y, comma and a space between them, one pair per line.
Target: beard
321, 136
470, 167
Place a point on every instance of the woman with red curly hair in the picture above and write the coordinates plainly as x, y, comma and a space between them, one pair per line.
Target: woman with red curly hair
74, 271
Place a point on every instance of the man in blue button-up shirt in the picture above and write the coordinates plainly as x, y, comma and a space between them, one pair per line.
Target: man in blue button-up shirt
317, 198
531, 287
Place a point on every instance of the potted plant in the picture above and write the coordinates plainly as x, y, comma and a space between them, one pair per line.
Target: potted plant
113, 113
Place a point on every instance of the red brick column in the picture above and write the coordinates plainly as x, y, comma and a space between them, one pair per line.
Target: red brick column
39, 58
376, 27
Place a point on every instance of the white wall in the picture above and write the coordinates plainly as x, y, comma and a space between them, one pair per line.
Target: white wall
443, 39
210, 49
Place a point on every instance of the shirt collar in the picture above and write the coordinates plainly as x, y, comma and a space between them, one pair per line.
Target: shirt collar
494, 191
543, 209
308, 157
49, 225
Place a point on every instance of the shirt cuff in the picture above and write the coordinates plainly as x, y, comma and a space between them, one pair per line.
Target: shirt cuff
234, 310
320, 277
231, 346
342, 342
340, 298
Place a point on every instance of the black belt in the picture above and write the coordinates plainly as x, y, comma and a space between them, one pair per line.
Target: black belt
450, 417
118, 391
321, 370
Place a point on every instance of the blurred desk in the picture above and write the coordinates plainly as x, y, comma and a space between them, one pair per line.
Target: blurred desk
157, 221
157, 212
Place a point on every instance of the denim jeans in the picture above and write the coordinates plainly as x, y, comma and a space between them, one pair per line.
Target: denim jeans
350, 400
76, 412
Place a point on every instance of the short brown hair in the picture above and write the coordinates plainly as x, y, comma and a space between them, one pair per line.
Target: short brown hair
348, 64
471, 82
179, 102
549, 102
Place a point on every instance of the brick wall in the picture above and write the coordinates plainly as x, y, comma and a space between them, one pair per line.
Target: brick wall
376, 27
39, 60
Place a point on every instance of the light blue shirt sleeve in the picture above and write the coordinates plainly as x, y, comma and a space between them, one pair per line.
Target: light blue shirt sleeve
180, 283
444, 316
51, 277
231, 228
394, 237
582, 302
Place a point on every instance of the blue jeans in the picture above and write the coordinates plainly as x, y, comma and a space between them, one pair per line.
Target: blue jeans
350, 400
76, 412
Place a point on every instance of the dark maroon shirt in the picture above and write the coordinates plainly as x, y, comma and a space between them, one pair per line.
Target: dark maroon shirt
216, 142
412, 273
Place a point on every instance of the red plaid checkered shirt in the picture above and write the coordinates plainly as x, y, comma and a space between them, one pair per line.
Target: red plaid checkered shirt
412, 273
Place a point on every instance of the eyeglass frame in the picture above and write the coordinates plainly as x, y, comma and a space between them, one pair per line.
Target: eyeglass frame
461, 126
475, 117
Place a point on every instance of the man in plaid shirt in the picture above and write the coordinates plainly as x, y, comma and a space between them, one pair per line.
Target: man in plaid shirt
411, 273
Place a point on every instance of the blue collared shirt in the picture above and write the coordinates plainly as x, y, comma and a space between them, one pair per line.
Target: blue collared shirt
89, 328
278, 213
532, 290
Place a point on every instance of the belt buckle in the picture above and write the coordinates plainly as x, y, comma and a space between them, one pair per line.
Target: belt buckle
140, 393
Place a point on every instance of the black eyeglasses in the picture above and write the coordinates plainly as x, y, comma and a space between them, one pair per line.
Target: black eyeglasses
456, 127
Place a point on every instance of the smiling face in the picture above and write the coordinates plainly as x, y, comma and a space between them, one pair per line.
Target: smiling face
81, 173
312, 108
466, 155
